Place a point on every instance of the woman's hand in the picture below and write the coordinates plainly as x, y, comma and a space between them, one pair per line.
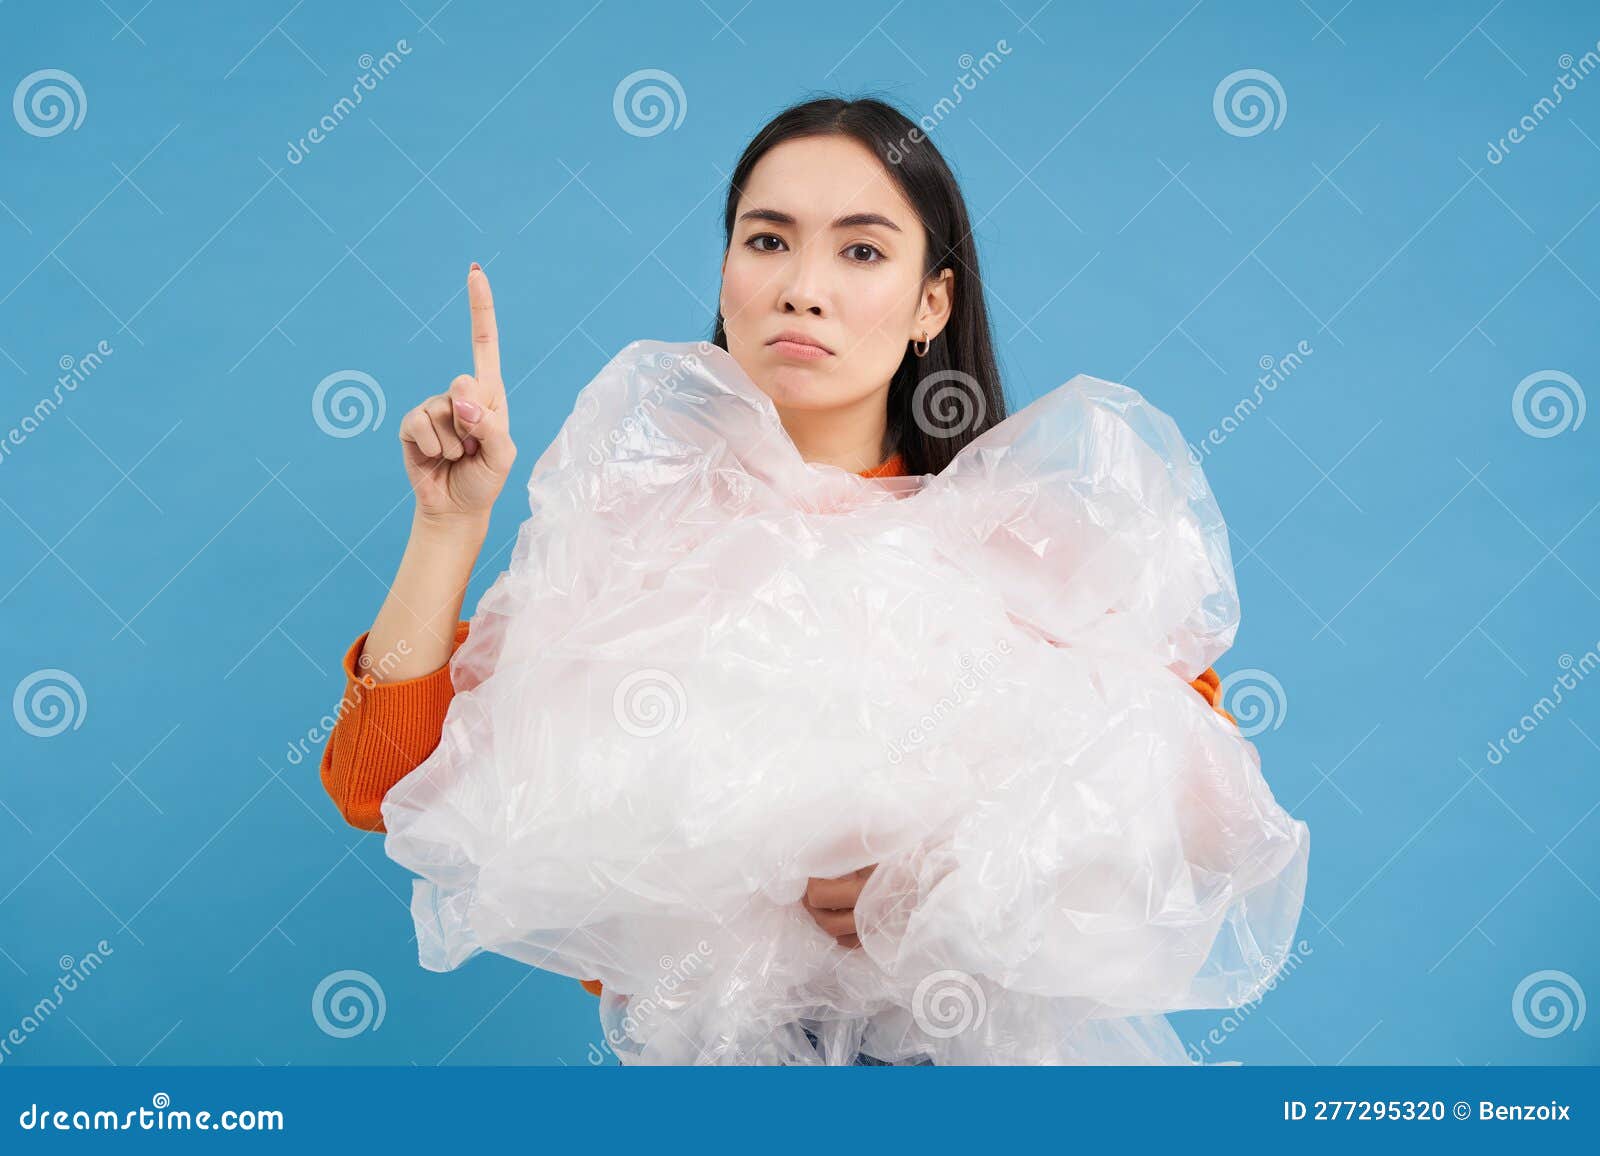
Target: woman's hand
457, 444
832, 903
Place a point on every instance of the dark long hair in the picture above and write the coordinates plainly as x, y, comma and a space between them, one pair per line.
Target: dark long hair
941, 401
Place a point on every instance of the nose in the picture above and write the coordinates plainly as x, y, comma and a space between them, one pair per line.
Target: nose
799, 303
804, 290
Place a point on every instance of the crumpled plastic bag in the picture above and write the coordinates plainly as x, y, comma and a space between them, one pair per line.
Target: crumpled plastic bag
712, 671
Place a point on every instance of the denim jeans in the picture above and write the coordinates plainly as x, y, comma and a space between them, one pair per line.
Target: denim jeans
863, 1060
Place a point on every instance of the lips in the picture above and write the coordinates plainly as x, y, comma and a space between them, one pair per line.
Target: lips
793, 343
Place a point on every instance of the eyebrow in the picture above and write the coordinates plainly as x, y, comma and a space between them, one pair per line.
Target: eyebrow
849, 221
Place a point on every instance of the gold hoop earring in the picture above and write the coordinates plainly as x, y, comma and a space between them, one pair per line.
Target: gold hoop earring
923, 352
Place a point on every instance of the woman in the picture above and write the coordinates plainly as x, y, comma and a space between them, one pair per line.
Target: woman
849, 276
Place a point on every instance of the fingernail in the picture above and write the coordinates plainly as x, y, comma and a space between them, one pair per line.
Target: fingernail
467, 410
476, 266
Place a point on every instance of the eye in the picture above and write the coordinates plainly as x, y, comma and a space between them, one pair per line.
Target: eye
755, 242
872, 253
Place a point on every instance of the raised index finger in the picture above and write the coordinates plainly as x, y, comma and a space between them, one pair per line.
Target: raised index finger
485, 337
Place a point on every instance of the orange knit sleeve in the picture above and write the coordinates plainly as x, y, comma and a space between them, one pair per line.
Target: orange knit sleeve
382, 732
1210, 688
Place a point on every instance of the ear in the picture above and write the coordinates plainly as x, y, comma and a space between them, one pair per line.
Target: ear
935, 305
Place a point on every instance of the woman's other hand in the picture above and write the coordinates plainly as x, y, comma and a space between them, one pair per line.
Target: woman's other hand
832, 903
457, 444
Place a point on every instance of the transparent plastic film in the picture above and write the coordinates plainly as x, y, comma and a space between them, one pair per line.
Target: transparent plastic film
712, 671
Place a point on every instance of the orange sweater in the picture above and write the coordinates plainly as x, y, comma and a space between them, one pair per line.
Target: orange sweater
384, 730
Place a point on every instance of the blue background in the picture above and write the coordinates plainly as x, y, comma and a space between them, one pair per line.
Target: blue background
185, 541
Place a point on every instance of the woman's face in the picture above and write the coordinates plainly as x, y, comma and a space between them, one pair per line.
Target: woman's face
826, 249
